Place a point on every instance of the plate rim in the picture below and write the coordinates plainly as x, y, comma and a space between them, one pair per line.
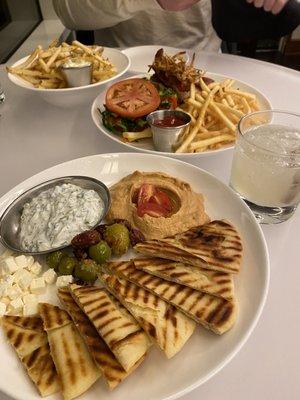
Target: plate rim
204, 154
18, 81
9, 196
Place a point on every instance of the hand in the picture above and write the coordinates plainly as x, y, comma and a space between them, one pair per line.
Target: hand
274, 6
176, 5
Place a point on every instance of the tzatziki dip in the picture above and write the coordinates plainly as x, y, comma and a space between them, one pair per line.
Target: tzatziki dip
56, 215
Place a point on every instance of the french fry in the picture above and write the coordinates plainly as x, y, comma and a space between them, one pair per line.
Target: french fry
217, 109
132, 136
45, 64
207, 142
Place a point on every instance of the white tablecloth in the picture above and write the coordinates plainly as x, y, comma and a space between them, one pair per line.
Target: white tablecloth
35, 136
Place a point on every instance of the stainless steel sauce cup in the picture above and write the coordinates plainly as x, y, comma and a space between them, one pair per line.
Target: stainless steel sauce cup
78, 75
165, 137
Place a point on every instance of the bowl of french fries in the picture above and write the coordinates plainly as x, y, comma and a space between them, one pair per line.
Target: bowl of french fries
215, 111
42, 71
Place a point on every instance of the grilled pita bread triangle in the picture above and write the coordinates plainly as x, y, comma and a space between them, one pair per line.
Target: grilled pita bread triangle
53, 316
167, 326
213, 313
24, 337
216, 283
75, 367
215, 246
112, 370
30, 342
115, 325
42, 371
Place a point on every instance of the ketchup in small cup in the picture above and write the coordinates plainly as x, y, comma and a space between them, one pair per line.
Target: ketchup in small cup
169, 121
166, 126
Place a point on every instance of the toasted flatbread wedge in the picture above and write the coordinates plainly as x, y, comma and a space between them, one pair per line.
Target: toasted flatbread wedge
25, 334
215, 246
166, 325
42, 371
75, 367
213, 313
28, 338
112, 370
216, 283
115, 325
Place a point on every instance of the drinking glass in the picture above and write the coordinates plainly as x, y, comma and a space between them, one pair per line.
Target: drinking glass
265, 170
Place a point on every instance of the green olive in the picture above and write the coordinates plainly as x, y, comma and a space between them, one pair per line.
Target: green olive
86, 270
118, 239
100, 252
53, 259
66, 265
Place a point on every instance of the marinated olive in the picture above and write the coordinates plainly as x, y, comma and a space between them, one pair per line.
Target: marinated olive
117, 237
100, 252
86, 270
66, 265
53, 259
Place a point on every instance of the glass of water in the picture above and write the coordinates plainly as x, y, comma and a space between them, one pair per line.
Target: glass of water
266, 164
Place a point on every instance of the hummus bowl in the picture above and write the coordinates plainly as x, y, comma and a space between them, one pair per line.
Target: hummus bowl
205, 353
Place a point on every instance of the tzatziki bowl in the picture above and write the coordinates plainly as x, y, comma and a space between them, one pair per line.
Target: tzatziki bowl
46, 217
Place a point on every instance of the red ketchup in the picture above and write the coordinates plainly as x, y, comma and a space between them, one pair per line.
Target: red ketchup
169, 122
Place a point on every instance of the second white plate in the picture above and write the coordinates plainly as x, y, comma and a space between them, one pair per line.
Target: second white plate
146, 145
205, 353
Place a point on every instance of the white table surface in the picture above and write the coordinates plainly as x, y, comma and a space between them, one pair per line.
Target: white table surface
35, 136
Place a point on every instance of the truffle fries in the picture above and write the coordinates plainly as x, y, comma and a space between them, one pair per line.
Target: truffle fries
42, 68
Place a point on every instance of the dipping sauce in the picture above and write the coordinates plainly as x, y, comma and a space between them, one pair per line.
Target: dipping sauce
169, 121
76, 63
56, 215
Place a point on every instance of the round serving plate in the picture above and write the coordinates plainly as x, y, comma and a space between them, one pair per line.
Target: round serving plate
205, 353
146, 145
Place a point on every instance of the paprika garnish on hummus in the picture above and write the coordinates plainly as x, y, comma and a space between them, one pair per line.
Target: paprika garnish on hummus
156, 204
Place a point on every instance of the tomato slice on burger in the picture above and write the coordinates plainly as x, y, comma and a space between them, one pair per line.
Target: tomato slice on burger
132, 98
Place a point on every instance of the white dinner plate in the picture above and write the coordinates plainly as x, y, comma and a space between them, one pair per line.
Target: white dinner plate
146, 145
205, 353
142, 56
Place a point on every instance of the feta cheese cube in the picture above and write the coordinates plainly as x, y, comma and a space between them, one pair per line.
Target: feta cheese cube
35, 268
7, 253
16, 306
64, 280
9, 280
2, 309
29, 298
21, 261
38, 286
14, 292
5, 300
25, 279
30, 309
3, 289
50, 276
6, 286
9, 266
30, 261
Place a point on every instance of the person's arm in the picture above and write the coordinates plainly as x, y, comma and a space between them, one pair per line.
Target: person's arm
274, 6
98, 14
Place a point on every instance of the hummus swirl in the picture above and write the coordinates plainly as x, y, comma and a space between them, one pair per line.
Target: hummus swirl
188, 210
